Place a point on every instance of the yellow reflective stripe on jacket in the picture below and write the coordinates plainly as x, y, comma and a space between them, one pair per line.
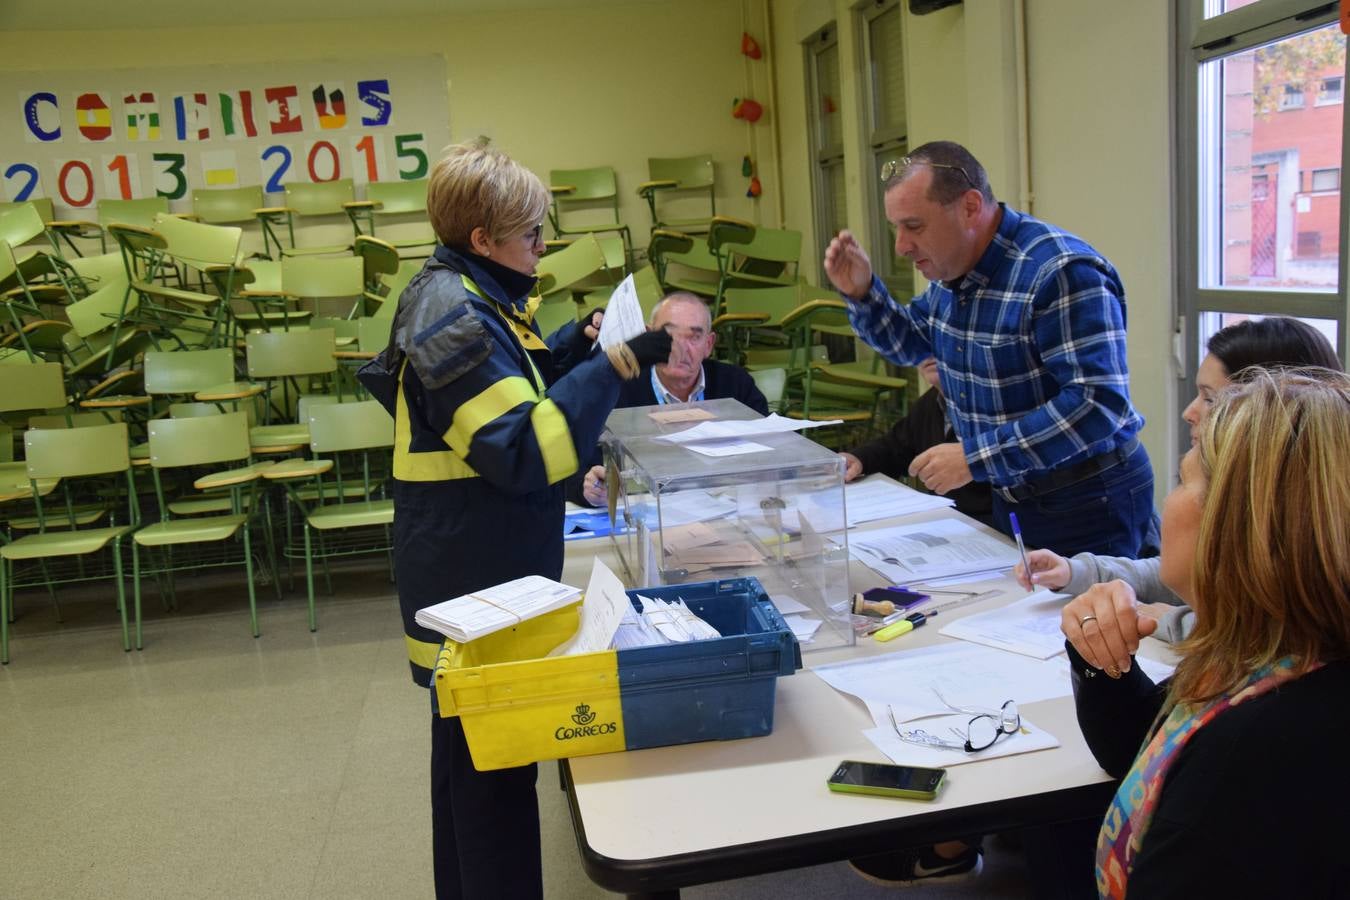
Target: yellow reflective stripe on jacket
434, 465
422, 653
490, 404
521, 327
555, 440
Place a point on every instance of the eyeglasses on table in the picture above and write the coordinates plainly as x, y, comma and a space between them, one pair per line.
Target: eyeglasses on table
980, 733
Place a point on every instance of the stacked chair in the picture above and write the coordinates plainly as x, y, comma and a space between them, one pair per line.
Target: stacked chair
145, 392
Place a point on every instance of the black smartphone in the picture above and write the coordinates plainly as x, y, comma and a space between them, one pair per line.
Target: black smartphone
910, 782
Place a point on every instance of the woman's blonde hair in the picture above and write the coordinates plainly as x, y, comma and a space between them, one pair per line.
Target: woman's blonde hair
475, 186
1272, 561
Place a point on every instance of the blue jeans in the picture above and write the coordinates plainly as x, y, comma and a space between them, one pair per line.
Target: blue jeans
1110, 513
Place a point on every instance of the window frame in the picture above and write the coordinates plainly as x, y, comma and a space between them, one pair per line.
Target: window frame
1323, 96
881, 142
1200, 40
823, 158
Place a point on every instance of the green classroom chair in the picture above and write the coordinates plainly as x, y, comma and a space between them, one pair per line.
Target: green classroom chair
393, 202
586, 201
675, 192
195, 442
305, 199
91, 463
351, 435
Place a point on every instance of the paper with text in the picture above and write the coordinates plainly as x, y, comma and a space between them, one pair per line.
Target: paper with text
910, 553
950, 728
623, 316
601, 612
1029, 626
491, 609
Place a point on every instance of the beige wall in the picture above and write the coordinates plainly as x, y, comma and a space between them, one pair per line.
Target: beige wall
1097, 142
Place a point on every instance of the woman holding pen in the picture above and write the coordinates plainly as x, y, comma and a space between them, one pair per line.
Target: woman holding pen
1269, 343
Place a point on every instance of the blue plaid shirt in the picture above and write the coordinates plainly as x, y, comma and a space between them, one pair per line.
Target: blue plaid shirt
1030, 347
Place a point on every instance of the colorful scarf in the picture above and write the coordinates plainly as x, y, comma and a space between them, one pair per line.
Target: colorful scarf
1131, 811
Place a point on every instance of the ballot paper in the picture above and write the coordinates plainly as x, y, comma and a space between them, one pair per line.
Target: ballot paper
906, 554
804, 628
1029, 626
685, 414
728, 447
480, 613
683, 507
740, 428
623, 316
601, 612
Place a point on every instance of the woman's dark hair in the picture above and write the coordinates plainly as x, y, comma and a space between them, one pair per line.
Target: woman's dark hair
1274, 342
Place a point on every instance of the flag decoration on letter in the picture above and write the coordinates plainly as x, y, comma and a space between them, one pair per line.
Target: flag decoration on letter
281, 118
191, 117
93, 117
142, 116
330, 106
236, 115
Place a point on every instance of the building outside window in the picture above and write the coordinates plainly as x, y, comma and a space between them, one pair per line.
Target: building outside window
1260, 209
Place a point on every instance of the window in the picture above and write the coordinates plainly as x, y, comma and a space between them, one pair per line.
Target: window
827, 135
1326, 180
887, 125
1256, 235
1332, 90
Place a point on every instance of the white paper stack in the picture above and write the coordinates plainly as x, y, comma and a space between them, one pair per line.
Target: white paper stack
481, 613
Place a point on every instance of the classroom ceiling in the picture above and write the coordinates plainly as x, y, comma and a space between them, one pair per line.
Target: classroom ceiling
80, 15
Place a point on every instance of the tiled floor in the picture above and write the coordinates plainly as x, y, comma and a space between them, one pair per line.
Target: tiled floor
214, 765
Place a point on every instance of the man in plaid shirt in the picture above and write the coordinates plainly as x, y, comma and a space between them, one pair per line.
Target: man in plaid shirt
1028, 326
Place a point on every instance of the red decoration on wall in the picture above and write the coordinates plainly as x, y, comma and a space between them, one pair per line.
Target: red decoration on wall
749, 46
746, 109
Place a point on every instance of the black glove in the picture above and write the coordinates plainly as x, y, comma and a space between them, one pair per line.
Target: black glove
588, 320
578, 344
651, 347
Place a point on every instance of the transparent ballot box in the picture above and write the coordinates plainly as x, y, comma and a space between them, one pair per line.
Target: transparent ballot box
774, 514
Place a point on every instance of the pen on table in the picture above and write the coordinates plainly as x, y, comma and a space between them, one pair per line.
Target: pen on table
904, 626
1021, 547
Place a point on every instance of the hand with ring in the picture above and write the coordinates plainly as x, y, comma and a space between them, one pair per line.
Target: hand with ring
593, 487
1105, 625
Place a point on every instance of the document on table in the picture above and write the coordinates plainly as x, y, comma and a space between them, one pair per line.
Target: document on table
965, 674
910, 553
876, 498
472, 616
1029, 626
952, 728
601, 612
739, 428
623, 316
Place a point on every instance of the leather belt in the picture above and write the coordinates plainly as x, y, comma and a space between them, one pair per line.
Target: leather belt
1069, 475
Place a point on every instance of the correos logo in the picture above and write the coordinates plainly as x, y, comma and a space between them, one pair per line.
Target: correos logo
584, 718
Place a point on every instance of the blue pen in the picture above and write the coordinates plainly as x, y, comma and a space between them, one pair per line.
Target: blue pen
1021, 547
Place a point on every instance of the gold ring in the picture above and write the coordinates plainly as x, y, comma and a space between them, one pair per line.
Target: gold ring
1086, 619
1113, 671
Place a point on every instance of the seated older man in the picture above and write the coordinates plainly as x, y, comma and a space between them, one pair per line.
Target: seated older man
689, 375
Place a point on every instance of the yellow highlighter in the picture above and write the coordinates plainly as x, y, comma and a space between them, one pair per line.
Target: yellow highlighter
893, 630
